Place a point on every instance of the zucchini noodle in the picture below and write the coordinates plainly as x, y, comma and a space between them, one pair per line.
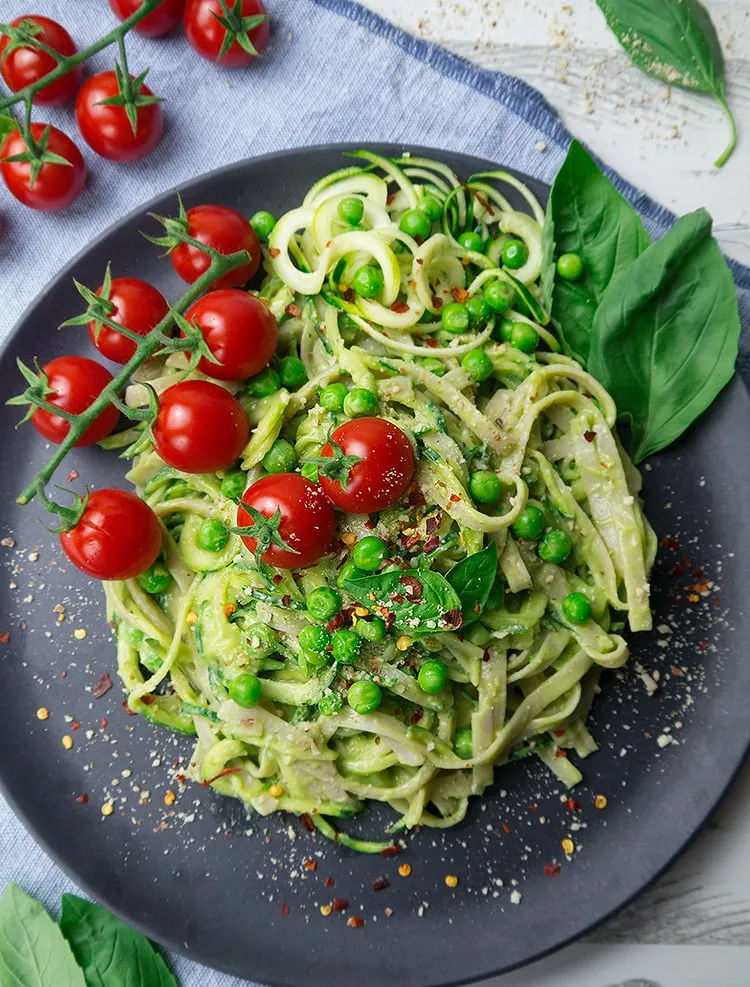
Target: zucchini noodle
520, 671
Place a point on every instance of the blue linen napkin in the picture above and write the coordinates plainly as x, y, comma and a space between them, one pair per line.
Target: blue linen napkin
333, 72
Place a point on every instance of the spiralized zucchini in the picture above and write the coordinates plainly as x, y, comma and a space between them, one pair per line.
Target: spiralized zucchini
520, 673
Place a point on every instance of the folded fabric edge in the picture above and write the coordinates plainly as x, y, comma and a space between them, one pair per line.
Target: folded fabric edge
520, 97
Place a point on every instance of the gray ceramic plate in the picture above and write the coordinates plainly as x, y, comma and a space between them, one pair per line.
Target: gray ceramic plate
200, 877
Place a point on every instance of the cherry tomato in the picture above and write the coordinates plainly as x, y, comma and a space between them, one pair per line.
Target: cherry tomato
75, 382
200, 427
240, 332
107, 130
163, 19
117, 537
307, 525
138, 306
23, 66
56, 186
382, 475
227, 231
206, 33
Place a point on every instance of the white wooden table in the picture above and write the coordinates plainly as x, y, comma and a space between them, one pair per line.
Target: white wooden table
693, 927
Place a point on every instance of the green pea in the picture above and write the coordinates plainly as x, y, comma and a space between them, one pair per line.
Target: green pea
415, 224
330, 705
332, 397
431, 207
323, 603
555, 546
263, 223
245, 689
570, 266
499, 295
233, 484
155, 579
345, 646
351, 210
504, 331
524, 337
212, 535
310, 472
479, 312
434, 365
371, 630
432, 677
348, 571
472, 241
368, 281
529, 524
314, 638
477, 364
455, 317
280, 458
360, 402
369, 553
263, 384
292, 372
514, 254
479, 634
364, 696
485, 487
496, 597
463, 743
576, 608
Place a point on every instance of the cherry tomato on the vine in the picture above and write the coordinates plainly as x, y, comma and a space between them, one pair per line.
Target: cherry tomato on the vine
383, 473
117, 537
307, 520
138, 306
74, 383
163, 19
200, 427
206, 32
240, 332
20, 67
107, 130
55, 185
227, 231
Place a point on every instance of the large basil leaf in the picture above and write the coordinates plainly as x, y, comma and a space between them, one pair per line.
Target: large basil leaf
421, 601
33, 951
667, 335
586, 215
472, 578
110, 953
676, 42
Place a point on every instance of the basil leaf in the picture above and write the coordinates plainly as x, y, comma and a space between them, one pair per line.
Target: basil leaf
667, 335
586, 215
424, 602
676, 42
472, 578
33, 951
7, 125
110, 953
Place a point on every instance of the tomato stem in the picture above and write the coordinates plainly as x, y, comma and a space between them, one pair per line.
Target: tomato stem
67, 62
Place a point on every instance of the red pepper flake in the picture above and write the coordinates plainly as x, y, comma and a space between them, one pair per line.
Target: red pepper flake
221, 774
286, 600
82, 799
355, 922
431, 543
181, 779
420, 261
75, 725
310, 865
416, 716
703, 645
329, 882
572, 805
505, 828
412, 584
460, 294
103, 686
416, 497
380, 884
274, 251
339, 904
148, 700
437, 302
670, 543
390, 851
589, 436
553, 869
433, 523
103, 723
307, 822
5, 637
400, 307
397, 598
294, 310
276, 579
560, 753
391, 198
454, 499
285, 910
127, 708
486, 655
452, 618
73, 475
676, 570
413, 540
